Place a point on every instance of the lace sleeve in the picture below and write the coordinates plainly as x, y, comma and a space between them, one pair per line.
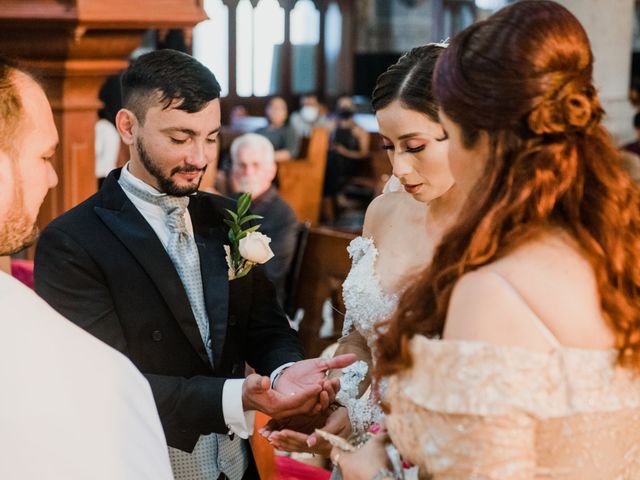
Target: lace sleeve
351, 378
477, 410
477, 419
357, 249
362, 412
467, 446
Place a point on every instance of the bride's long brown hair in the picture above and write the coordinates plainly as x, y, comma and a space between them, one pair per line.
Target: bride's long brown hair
524, 76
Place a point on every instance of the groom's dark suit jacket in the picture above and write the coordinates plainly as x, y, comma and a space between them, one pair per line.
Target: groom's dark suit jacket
102, 266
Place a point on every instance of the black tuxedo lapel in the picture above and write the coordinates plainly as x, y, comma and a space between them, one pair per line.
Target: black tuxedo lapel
215, 284
128, 224
227, 301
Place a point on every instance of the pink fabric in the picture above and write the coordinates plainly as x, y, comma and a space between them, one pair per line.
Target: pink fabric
23, 271
289, 469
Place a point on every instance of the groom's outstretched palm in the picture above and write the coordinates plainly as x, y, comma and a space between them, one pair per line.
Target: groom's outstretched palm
306, 374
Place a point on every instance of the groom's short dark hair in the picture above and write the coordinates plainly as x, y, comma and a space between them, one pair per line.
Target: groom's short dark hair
173, 78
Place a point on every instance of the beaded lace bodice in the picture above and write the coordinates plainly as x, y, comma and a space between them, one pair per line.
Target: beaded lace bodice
365, 301
476, 410
366, 304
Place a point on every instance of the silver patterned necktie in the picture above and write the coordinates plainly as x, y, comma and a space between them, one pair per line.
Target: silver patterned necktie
183, 252
213, 453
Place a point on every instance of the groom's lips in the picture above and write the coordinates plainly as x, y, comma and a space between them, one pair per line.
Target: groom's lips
190, 175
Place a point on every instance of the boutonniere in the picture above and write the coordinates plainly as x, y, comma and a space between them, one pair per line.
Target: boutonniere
247, 246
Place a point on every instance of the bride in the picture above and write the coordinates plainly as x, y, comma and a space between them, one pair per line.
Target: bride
396, 223
535, 289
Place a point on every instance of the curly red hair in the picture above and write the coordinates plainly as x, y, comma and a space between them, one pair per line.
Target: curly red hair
524, 76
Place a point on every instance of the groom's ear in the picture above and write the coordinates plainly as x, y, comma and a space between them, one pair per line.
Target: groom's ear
127, 124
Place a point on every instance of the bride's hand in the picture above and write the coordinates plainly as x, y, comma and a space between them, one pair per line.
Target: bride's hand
365, 462
290, 440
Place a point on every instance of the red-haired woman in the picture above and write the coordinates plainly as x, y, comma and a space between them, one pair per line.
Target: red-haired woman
515, 354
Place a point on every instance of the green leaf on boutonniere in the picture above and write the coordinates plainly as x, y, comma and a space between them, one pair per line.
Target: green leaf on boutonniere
244, 202
248, 218
252, 229
233, 215
248, 230
246, 269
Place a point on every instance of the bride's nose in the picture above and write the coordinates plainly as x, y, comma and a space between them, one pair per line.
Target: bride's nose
402, 165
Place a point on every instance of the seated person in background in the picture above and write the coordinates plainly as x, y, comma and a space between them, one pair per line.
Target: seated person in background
107, 147
634, 147
237, 114
284, 138
349, 141
107, 138
349, 144
253, 169
312, 114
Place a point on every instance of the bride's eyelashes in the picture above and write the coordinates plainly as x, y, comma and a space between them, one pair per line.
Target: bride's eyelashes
409, 150
416, 149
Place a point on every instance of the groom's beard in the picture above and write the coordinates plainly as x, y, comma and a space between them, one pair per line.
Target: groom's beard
17, 230
166, 183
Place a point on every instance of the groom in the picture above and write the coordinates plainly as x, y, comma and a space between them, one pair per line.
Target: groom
141, 266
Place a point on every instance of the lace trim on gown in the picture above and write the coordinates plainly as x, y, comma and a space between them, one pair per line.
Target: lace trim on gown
476, 410
366, 305
483, 379
365, 302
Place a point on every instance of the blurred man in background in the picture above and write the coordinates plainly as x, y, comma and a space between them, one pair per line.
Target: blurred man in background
253, 169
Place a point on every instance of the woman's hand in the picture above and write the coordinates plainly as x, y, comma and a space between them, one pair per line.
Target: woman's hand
364, 463
291, 440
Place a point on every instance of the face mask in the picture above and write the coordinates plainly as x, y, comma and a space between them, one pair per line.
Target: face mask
309, 113
345, 114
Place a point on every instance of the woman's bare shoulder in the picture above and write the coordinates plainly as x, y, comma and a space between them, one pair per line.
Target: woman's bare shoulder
545, 281
385, 211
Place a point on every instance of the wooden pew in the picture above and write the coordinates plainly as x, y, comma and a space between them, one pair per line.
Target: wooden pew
300, 181
325, 265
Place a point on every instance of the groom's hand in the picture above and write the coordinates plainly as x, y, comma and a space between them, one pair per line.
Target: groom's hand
307, 373
257, 394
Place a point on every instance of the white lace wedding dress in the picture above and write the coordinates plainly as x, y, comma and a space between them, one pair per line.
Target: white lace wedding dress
366, 304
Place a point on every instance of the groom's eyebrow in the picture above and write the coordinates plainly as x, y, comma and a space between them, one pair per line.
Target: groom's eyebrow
188, 131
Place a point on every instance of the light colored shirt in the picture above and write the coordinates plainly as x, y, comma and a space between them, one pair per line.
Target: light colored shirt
71, 407
237, 420
107, 145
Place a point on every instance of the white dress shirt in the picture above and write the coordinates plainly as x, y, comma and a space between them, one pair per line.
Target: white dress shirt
71, 407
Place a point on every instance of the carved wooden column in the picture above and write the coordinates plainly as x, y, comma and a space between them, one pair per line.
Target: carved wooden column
74, 45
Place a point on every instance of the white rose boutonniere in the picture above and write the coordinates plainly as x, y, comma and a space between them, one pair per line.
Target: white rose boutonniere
255, 247
247, 247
